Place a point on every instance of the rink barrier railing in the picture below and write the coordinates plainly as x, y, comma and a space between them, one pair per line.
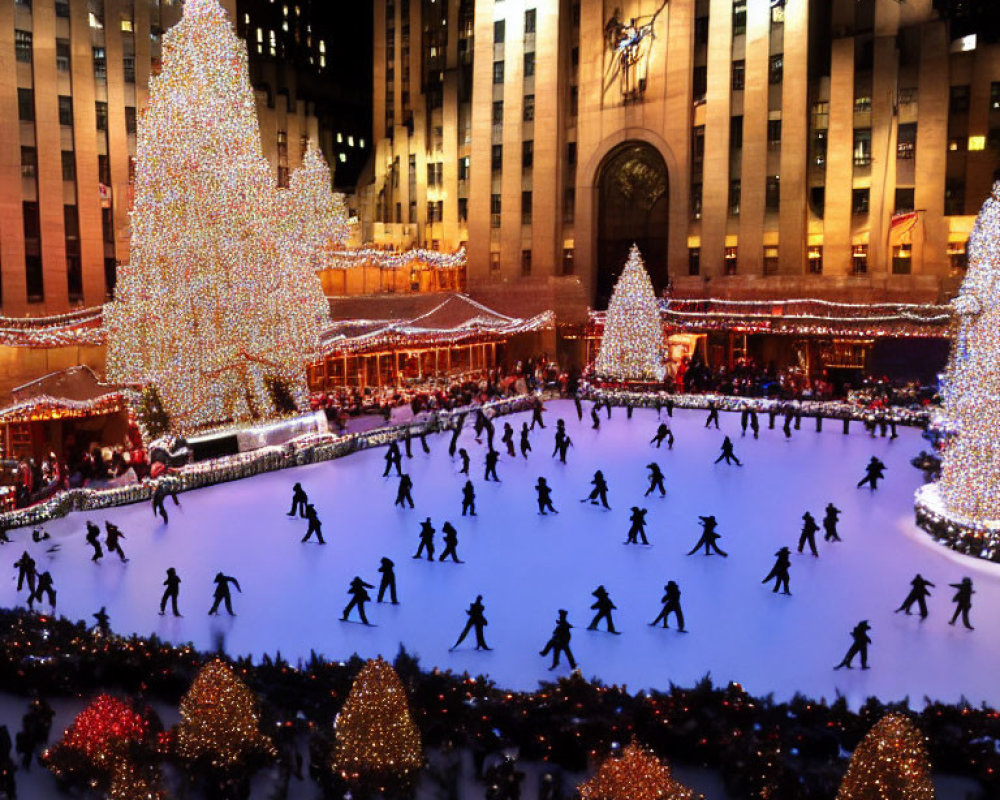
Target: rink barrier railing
316, 448
963, 535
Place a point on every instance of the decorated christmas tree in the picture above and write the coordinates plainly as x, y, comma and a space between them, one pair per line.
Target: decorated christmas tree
220, 307
377, 740
130, 781
636, 775
970, 469
220, 724
890, 764
632, 345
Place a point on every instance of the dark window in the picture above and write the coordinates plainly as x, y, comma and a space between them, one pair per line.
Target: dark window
817, 200
527, 154
567, 261
739, 75
32, 226
529, 108
130, 119
906, 140
497, 72
954, 197
494, 211
819, 139
529, 20
463, 209
128, 67
110, 276
694, 260
499, 30
730, 260
701, 30
496, 158
699, 83
33, 252
574, 57
775, 68
62, 55
859, 259
282, 177
25, 105
100, 64
525, 263
698, 144
29, 162
862, 147
736, 132
62, 9
525, 208
696, 201
529, 64
65, 110
497, 112
859, 201
904, 200
774, 133
569, 205
102, 116
772, 193
463, 168
68, 165
739, 17
735, 191
959, 99
571, 153
22, 46
574, 100
104, 169
902, 259
771, 263
995, 96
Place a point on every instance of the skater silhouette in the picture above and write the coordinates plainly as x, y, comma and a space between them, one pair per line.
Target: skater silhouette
559, 642
468, 499
858, 647
464, 455
476, 620
564, 445
492, 457
671, 605
299, 501
544, 497
780, 571
787, 427
112, 540
388, 581
4, 538
315, 526
358, 598
830, 523
754, 423
808, 536
874, 472
450, 543
638, 529
663, 433
508, 439
222, 592
727, 453
560, 435
173, 584
26, 572
159, 495
918, 594
525, 441
962, 601
103, 625
44, 587
713, 414
600, 491
426, 540
595, 418
40, 536
536, 413
579, 406
403, 495
708, 538
393, 458
455, 434
93, 534
406, 441
744, 419
655, 480
604, 607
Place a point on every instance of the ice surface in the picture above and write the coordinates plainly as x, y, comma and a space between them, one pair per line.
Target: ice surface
528, 566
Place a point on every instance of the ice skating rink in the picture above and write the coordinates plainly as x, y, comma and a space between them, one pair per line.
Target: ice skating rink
528, 566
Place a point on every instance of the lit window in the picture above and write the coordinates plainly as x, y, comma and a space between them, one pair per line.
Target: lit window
260, 35
127, 25
284, 26
322, 61
340, 138
284, 10
246, 19
965, 44
322, 46
361, 142
342, 157
350, 142
95, 22
977, 143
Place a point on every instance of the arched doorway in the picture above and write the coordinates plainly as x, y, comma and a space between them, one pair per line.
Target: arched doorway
633, 199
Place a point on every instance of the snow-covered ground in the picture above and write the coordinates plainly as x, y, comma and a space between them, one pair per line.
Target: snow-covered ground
528, 566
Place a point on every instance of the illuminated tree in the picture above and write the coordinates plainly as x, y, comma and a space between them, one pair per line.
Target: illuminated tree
130, 781
220, 724
377, 740
636, 775
220, 304
970, 473
890, 764
632, 345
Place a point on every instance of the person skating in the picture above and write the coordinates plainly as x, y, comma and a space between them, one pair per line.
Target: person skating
525, 440
713, 414
874, 472
358, 599
450, 543
744, 419
315, 526
492, 457
93, 539
544, 497
159, 495
560, 435
222, 594
600, 490
103, 625
480, 425
638, 529
559, 642
464, 455
655, 480
564, 445
727, 453
808, 536
579, 406
477, 620
962, 601
456, 432
779, 571
406, 441
26, 572
490, 431
422, 436
508, 439
595, 418
426, 540
173, 584
918, 594
393, 458
789, 416
671, 605
754, 423
43, 587
469, 499
663, 433
299, 501
40, 536
4, 538
112, 540
858, 647
604, 607
403, 495
709, 537
537, 408
830, 523
607, 406
388, 582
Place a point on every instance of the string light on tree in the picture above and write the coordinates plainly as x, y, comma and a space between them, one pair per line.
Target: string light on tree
890, 764
220, 308
632, 345
635, 775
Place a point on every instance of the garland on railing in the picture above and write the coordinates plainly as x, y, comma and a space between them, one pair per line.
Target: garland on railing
391, 259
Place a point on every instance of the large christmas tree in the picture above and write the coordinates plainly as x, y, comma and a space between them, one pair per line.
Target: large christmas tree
632, 345
970, 474
890, 764
220, 309
636, 775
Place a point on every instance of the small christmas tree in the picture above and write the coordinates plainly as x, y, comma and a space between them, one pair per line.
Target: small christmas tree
636, 775
632, 345
890, 764
134, 782
377, 740
220, 724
